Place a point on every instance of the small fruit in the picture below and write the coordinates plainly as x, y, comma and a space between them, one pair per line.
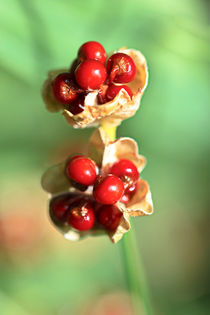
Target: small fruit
82, 170
108, 190
77, 106
81, 217
90, 74
64, 88
129, 192
92, 50
126, 170
109, 216
113, 90
121, 68
132, 189
60, 205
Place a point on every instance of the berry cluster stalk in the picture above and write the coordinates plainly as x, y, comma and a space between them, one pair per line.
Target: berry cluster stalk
135, 275
133, 267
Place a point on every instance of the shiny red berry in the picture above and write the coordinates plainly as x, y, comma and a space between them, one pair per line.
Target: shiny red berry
60, 205
132, 189
109, 216
108, 190
90, 74
64, 89
113, 90
82, 217
77, 106
121, 68
58, 208
126, 170
92, 50
82, 170
129, 192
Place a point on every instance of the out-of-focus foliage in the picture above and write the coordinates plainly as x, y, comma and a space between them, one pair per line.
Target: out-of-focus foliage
40, 272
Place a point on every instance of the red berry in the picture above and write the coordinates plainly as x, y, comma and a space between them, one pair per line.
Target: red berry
92, 50
64, 89
82, 170
81, 217
113, 90
77, 106
60, 205
126, 170
132, 189
121, 68
129, 192
108, 190
109, 216
75, 184
90, 74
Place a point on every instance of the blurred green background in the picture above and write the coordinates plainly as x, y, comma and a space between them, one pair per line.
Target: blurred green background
40, 272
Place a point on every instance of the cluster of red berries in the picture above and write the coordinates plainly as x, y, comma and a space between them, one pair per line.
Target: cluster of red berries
88, 72
82, 211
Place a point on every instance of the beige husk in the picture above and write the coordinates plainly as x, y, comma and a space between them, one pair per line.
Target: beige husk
122, 107
104, 153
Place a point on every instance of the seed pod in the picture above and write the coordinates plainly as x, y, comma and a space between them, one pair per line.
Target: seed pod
113, 112
104, 152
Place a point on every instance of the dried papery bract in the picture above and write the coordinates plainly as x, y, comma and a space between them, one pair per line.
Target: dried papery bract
112, 151
141, 202
122, 228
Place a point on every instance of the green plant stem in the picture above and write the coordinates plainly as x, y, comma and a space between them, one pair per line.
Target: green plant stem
133, 267
135, 276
